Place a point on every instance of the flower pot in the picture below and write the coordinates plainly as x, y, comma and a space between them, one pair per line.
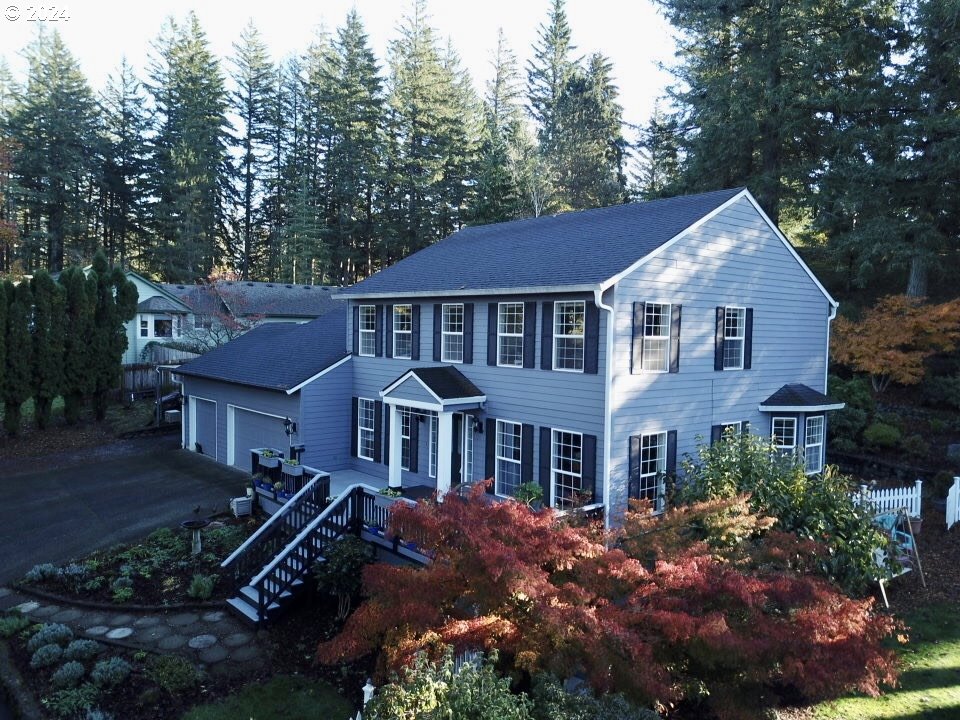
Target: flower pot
916, 524
269, 462
292, 470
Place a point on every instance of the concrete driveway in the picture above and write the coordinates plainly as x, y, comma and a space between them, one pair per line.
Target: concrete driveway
95, 499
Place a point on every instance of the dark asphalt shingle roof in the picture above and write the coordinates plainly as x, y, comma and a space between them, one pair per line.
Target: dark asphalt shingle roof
244, 298
798, 395
576, 248
159, 303
276, 356
446, 382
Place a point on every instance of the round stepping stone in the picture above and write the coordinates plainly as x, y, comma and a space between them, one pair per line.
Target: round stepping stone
65, 616
172, 642
27, 607
183, 619
201, 642
46, 610
237, 640
146, 621
244, 654
96, 619
213, 654
120, 633
98, 630
214, 616
122, 620
153, 634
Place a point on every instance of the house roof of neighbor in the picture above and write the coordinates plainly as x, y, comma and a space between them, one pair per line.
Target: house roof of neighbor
276, 356
246, 298
799, 398
572, 249
159, 304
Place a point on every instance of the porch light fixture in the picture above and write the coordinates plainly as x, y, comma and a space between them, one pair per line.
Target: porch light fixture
289, 426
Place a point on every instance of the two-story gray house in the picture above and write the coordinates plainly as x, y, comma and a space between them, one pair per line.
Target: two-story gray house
585, 351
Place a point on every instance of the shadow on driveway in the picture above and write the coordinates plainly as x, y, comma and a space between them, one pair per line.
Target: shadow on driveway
110, 495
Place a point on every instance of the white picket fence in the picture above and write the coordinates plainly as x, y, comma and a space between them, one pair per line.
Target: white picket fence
953, 503
891, 499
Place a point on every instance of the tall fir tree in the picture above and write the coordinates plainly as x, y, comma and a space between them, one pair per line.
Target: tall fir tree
17, 385
78, 351
658, 156
48, 340
188, 153
115, 303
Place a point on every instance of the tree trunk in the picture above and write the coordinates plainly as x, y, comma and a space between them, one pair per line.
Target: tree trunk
917, 284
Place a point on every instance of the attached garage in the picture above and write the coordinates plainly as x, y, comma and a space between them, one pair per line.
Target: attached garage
248, 429
203, 426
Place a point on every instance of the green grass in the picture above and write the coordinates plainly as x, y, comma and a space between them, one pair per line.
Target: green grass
930, 678
282, 698
26, 410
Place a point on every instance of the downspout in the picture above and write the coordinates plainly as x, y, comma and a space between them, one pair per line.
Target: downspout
607, 403
826, 369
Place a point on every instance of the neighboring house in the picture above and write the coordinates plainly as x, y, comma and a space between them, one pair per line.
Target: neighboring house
161, 316
586, 352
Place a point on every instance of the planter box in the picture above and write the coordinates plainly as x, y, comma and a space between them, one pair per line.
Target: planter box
292, 470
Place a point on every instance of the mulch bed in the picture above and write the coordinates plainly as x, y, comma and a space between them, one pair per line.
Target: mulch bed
939, 551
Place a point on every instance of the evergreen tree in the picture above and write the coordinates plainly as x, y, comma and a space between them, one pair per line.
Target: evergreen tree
658, 156
188, 153
548, 74
78, 350
3, 339
17, 379
48, 342
115, 303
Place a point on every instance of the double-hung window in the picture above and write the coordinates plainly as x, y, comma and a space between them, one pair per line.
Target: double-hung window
813, 444
144, 327
734, 337
653, 466
510, 334
366, 414
785, 434
569, 319
402, 331
406, 417
368, 330
451, 331
566, 464
656, 337
508, 456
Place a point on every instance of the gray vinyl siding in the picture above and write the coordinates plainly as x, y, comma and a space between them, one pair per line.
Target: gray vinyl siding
325, 419
265, 401
732, 259
544, 398
411, 389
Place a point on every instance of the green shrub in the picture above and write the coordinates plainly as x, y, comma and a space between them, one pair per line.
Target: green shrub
173, 673
82, 650
225, 539
111, 671
11, 624
340, 573
915, 446
70, 703
122, 589
942, 392
552, 702
72, 577
67, 675
45, 656
882, 435
201, 586
847, 425
41, 572
50, 634
939, 485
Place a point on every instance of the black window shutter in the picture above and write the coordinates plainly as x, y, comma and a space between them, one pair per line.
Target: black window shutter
526, 453
748, 341
468, 332
546, 338
415, 332
492, 333
529, 334
545, 439
377, 429
378, 334
386, 435
414, 444
718, 349
633, 489
491, 454
716, 433
356, 329
636, 361
389, 321
675, 338
437, 320
591, 340
672, 453
355, 415
588, 466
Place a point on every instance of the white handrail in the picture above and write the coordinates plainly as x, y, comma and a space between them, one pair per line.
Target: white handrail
275, 518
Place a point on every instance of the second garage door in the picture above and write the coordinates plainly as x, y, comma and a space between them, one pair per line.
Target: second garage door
255, 430
205, 433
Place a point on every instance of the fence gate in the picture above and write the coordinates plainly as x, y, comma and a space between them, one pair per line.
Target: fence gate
953, 503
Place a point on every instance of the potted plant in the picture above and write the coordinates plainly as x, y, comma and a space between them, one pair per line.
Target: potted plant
531, 494
391, 492
269, 458
293, 468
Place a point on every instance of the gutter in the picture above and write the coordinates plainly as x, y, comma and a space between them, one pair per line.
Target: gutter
607, 402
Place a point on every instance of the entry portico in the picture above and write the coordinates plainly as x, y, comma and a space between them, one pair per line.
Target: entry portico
456, 402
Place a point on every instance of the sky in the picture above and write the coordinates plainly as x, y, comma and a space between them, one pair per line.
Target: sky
99, 33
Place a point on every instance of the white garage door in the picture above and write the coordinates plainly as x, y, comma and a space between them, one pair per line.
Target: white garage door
205, 432
255, 430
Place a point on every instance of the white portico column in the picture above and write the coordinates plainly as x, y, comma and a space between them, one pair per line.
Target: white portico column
444, 452
396, 442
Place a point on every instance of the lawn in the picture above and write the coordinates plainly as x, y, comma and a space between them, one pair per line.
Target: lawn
930, 681
282, 698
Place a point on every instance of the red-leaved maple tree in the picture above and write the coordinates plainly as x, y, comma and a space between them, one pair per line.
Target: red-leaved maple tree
653, 619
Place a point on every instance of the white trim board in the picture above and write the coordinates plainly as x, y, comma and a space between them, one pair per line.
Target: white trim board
801, 408
319, 375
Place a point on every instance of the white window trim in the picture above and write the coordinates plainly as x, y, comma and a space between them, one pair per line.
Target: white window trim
583, 337
396, 332
773, 423
666, 353
660, 473
405, 413
500, 335
433, 450
363, 332
498, 457
361, 429
741, 338
738, 424
447, 333
819, 445
553, 457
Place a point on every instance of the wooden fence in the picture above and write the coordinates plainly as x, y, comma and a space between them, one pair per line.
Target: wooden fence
890, 499
141, 380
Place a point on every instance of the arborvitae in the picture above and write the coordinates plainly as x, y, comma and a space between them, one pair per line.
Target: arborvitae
115, 303
48, 343
78, 350
17, 384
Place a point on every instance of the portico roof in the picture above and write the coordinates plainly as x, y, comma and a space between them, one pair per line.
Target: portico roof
433, 388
